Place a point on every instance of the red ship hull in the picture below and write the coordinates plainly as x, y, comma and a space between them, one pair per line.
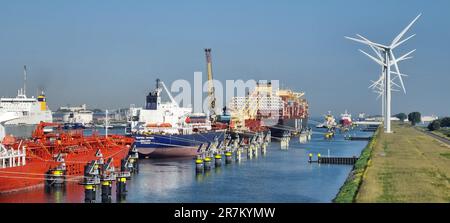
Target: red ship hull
78, 151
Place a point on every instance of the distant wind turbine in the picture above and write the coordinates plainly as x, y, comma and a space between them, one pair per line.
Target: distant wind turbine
386, 59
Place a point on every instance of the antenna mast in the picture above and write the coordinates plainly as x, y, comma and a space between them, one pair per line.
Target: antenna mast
25, 79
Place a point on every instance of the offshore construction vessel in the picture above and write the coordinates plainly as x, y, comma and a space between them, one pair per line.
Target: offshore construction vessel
282, 111
50, 152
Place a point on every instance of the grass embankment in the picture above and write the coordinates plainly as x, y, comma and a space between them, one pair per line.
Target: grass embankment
349, 190
442, 133
407, 166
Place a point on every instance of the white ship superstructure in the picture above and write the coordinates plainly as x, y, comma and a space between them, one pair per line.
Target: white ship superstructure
262, 103
77, 114
31, 110
158, 116
263, 98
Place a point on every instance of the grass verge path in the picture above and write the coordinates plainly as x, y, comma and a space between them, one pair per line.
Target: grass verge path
407, 166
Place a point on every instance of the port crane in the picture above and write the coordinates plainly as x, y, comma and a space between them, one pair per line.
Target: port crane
211, 90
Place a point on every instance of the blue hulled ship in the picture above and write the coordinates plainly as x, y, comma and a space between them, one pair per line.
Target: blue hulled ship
164, 129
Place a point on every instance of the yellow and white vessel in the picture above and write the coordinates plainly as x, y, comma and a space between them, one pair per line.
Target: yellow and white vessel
30, 111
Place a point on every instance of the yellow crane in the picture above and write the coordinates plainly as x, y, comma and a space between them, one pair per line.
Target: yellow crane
211, 95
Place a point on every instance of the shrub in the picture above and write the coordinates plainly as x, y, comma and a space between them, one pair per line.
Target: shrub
434, 125
445, 122
401, 116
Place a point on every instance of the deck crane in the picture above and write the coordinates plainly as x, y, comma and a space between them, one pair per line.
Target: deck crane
211, 90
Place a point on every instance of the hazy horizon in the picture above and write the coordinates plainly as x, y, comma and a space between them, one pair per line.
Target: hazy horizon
107, 54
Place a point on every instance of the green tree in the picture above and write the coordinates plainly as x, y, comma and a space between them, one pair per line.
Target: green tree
434, 125
445, 122
402, 116
414, 117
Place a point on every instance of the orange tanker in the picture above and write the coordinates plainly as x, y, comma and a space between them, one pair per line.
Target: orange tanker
27, 163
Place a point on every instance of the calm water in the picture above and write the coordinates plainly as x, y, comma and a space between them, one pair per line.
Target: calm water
279, 176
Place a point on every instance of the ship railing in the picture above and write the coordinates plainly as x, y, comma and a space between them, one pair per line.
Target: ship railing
11, 157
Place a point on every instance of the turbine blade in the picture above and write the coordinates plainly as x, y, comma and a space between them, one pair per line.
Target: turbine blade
404, 75
373, 85
397, 38
379, 95
377, 51
392, 82
402, 59
378, 83
367, 42
400, 43
373, 58
398, 71
405, 55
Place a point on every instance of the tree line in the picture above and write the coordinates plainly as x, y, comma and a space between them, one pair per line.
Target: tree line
437, 124
413, 117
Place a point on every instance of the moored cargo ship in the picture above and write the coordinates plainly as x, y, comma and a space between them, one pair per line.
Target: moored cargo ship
294, 115
277, 110
164, 129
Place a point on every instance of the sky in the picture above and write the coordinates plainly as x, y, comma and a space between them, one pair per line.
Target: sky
108, 54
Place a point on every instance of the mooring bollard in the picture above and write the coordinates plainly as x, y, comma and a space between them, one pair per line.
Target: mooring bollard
255, 150
90, 181
89, 193
268, 137
249, 152
228, 157
218, 160
284, 143
106, 191
56, 177
303, 137
238, 154
121, 186
207, 163
199, 165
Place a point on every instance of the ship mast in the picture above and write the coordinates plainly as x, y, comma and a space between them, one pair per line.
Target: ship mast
24, 79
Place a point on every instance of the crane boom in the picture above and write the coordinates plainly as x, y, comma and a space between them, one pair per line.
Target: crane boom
211, 95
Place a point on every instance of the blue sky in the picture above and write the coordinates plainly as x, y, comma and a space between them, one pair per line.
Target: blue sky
108, 53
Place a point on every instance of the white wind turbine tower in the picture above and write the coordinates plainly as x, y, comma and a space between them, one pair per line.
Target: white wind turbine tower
386, 59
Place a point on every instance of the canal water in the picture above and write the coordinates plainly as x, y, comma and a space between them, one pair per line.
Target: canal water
279, 176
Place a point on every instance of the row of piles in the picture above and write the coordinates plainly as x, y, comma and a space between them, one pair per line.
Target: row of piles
231, 149
98, 172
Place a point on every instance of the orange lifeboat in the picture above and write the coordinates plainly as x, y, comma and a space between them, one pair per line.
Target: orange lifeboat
162, 125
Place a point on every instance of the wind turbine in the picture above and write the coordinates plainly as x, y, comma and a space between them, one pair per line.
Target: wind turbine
386, 59
378, 88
